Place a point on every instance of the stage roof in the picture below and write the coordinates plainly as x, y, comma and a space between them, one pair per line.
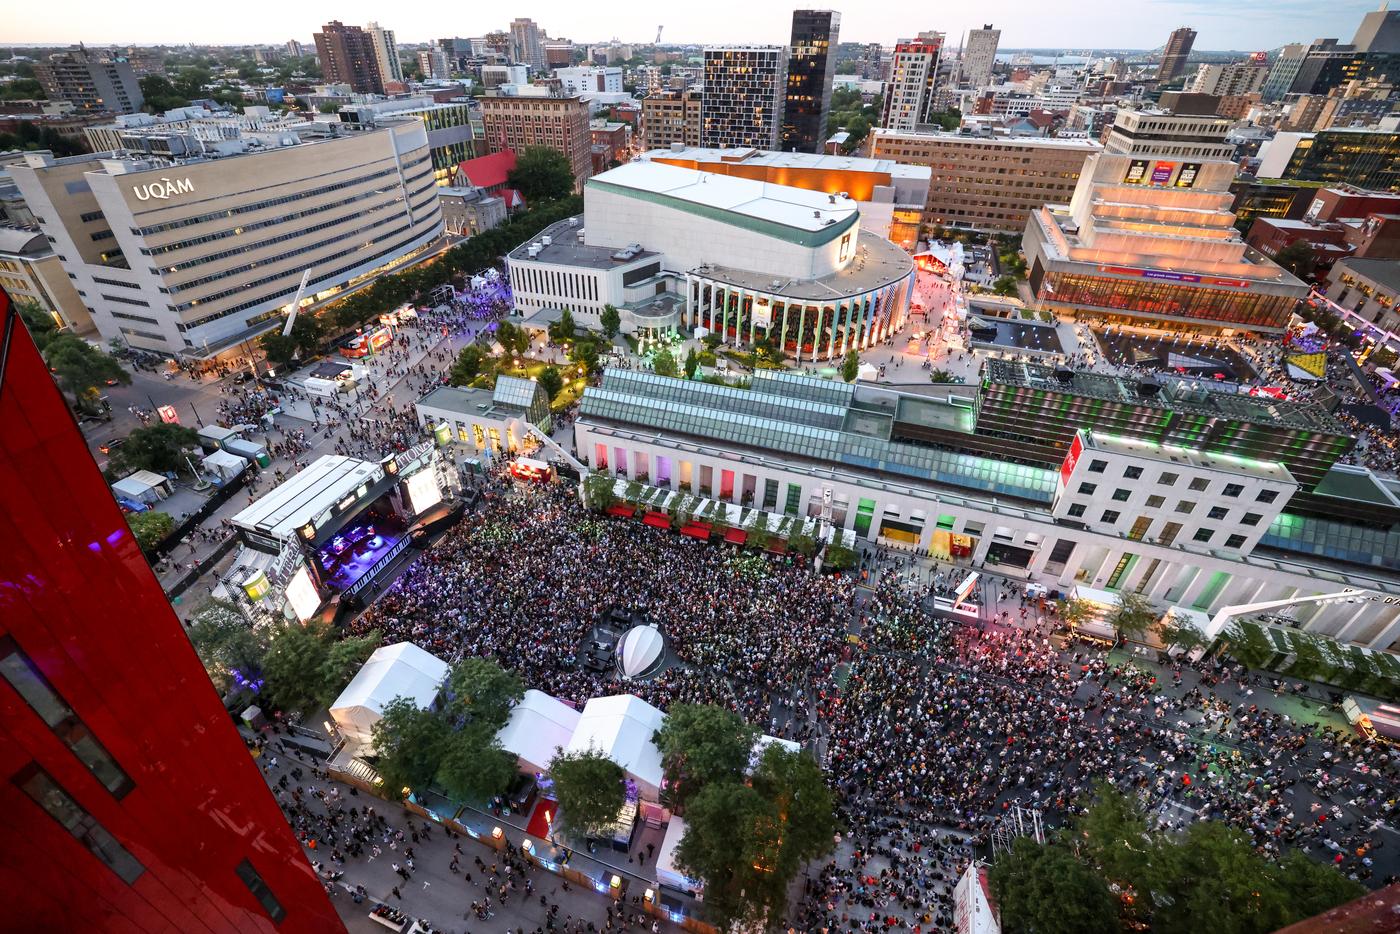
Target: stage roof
306, 495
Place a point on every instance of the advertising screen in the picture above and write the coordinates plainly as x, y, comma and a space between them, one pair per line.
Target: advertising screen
1137, 172
302, 595
1187, 176
423, 492
1162, 172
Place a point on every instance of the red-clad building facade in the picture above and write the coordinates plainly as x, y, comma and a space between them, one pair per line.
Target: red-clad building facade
128, 799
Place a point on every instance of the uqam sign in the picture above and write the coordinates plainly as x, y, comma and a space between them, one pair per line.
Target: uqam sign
163, 188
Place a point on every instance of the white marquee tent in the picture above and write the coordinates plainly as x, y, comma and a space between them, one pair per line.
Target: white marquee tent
621, 727
400, 670
538, 725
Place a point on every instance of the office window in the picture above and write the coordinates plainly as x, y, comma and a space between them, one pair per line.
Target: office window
1167, 479
1097, 466
46, 793
1267, 496
1185, 506
1155, 502
1199, 484
1250, 518
1088, 488
1132, 473
260, 891
1122, 495
1203, 534
1110, 516
29, 684
1234, 489
1217, 512
1076, 510
1234, 541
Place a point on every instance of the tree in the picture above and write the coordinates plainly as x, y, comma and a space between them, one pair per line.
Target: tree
513, 339
1113, 831
482, 693
692, 363
1179, 632
610, 321
748, 842
1308, 663
150, 528
159, 447
850, 366
586, 353
1005, 285
551, 380
701, 744
1044, 889
1074, 610
1249, 645
564, 329
1298, 258
305, 668
1313, 887
40, 324
473, 764
409, 743
542, 174
1132, 616
160, 95
1210, 871
588, 787
309, 331
663, 363
467, 366
79, 367
229, 645
839, 557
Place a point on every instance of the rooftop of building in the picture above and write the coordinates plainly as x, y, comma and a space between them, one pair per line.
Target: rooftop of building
565, 249
877, 263
18, 241
1177, 396
1187, 457
810, 212
316, 489
1383, 272
748, 155
1034, 142
512, 395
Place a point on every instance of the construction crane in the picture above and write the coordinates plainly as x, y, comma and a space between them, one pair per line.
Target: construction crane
658, 34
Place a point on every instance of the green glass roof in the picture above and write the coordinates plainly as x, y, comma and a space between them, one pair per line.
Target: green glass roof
1327, 538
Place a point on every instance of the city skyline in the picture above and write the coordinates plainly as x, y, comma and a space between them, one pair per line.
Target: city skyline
1241, 25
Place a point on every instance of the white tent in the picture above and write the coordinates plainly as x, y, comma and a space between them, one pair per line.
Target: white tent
868, 372
139, 488
639, 650
667, 873
763, 742
621, 727
538, 725
400, 670
225, 464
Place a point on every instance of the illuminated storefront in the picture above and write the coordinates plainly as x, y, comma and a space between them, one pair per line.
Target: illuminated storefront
1175, 303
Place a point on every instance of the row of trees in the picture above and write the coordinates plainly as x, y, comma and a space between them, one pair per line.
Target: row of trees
78, 367
1132, 618
1109, 871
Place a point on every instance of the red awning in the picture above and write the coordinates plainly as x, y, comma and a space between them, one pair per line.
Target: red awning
737, 536
621, 509
657, 519
777, 546
695, 531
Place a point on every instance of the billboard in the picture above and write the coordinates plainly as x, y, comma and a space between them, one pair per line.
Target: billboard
1137, 172
302, 595
1187, 176
1076, 448
1162, 172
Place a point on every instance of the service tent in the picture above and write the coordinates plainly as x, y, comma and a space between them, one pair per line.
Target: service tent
538, 726
621, 727
867, 372
225, 464
399, 670
137, 490
667, 873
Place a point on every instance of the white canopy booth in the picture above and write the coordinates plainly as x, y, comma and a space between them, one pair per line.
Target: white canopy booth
538, 725
667, 873
224, 464
621, 727
400, 670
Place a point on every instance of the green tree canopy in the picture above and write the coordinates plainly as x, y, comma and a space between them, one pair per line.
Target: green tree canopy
1248, 644
588, 786
1174, 630
610, 320
1043, 889
467, 366
409, 744
78, 366
512, 338
692, 363
850, 366
542, 174
227, 642
1133, 615
663, 363
1005, 285
40, 324
159, 447
160, 95
150, 528
586, 353
306, 667
474, 767
564, 329
701, 744
551, 380
1299, 258
1074, 610
481, 692
309, 332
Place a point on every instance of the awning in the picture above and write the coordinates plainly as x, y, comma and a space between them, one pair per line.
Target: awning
696, 531
657, 520
737, 536
619, 509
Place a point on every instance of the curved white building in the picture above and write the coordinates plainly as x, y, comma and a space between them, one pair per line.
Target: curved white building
748, 260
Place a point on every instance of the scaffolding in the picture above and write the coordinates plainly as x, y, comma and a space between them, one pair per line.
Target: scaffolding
1016, 822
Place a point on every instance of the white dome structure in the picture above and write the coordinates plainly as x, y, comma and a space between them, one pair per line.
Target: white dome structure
639, 650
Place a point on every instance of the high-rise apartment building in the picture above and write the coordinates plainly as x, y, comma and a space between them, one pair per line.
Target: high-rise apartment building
980, 55
1229, 80
433, 63
386, 53
348, 56
130, 800
909, 97
92, 82
670, 117
1284, 71
527, 45
744, 95
987, 184
1174, 56
1379, 31
559, 123
811, 70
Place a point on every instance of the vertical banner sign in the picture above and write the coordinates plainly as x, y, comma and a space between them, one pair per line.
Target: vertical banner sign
1162, 172
1187, 177
1137, 172
1076, 448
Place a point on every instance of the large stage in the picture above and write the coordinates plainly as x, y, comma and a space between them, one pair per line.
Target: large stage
359, 547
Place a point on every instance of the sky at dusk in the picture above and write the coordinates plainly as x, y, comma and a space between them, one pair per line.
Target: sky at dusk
1244, 25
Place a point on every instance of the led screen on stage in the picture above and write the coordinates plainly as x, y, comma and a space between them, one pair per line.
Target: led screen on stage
302, 595
423, 492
